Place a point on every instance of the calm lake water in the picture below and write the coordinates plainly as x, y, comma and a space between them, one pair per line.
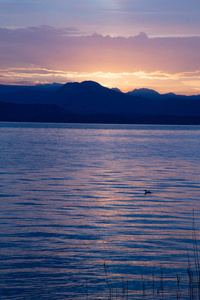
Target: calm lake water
72, 199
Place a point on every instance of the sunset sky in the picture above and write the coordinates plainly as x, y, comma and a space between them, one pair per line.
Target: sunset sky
119, 43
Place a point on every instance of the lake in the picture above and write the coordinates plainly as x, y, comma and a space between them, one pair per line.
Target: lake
75, 222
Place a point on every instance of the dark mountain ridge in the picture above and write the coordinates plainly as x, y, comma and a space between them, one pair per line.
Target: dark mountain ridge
143, 92
90, 97
38, 87
88, 101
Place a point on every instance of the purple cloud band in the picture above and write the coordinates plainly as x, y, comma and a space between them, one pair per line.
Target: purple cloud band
65, 50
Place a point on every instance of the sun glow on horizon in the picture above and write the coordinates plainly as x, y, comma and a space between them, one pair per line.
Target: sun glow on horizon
162, 82
47, 54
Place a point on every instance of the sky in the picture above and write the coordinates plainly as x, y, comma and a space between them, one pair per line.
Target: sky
119, 43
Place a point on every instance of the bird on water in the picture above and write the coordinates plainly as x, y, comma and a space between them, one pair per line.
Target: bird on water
147, 192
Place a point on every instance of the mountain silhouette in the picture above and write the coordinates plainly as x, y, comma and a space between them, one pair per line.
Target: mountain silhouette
90, 97
143, 93
88, 101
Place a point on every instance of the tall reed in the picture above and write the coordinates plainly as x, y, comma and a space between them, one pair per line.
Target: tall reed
148, 290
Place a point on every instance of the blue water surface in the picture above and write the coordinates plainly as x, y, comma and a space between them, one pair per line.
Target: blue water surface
75, 222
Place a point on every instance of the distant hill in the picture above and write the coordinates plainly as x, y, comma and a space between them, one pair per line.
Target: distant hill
149, 93
143, 93
117, 90
88, 101
38, 87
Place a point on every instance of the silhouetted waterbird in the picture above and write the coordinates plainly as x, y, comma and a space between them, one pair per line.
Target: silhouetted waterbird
147, 192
